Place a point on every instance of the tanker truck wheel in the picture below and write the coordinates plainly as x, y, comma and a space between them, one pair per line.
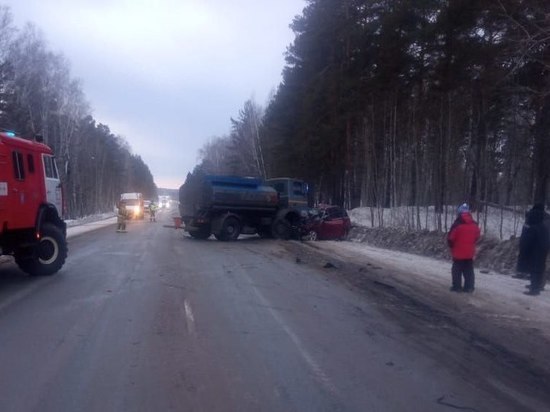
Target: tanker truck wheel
49, 256
265, 232
202, 234
281, 229
231, 229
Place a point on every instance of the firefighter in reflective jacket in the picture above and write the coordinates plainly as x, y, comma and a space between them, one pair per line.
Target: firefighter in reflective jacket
122, 216
152, 212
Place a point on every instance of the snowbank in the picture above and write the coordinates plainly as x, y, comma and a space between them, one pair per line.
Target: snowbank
494, 223
75, 228
415, 231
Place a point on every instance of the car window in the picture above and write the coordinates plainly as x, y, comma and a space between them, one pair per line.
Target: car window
18, 168
49, 167
279, 187
335, 213
297, 189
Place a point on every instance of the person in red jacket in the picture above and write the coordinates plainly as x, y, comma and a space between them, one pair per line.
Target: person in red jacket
462, 240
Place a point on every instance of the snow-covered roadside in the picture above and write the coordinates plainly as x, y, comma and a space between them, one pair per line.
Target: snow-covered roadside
496, 250
89, 223
494, 223
497, 297
89, 219
79, 226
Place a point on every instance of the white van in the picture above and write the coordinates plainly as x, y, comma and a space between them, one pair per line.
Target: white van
134, 204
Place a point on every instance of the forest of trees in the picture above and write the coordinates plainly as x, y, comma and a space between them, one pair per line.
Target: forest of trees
383, 103
389, 103
39, 96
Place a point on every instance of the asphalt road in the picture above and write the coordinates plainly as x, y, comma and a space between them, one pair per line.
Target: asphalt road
152, 320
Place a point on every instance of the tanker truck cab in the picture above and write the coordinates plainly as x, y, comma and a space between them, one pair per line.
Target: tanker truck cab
294, 203
292, 193
31, 204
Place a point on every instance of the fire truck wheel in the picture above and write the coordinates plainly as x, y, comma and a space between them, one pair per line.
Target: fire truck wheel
231, 229
50, 254
281, 229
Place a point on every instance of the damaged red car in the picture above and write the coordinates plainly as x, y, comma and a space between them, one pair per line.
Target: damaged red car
327, 223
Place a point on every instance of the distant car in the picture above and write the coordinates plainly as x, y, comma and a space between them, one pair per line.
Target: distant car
146, 205
327, 222
164, 202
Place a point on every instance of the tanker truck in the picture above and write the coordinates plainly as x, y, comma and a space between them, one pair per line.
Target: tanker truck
227, 206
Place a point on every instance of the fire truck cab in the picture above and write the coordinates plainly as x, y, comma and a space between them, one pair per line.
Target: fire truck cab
31, 206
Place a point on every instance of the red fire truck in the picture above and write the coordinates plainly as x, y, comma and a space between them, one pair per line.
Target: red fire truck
31, 204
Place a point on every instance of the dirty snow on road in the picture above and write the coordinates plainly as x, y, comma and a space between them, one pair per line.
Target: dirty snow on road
495, 292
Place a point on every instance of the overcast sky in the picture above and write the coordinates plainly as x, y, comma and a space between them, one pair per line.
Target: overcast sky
167, 74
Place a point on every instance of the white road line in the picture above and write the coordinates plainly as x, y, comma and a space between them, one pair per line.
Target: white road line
317, 371
190, 319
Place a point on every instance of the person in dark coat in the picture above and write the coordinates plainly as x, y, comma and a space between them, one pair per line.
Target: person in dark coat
546, 223
520, 269
533, 248
462, 240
